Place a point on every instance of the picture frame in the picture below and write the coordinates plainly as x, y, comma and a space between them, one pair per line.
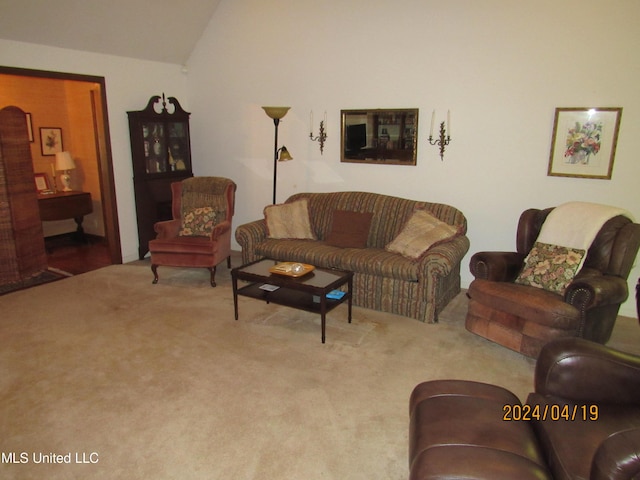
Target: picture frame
42, 183
50, 140
379, 136
29, 127
584, 142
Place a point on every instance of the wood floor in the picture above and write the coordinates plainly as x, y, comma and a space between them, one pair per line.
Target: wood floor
65, 253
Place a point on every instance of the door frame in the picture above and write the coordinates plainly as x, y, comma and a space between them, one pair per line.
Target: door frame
103, 149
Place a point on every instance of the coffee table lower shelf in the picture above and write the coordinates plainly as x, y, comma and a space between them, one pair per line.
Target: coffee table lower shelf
288, 298
308, 294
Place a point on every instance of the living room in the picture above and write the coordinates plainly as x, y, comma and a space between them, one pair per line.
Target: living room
500, 68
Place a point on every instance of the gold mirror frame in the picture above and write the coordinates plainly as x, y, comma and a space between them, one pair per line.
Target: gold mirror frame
379, 136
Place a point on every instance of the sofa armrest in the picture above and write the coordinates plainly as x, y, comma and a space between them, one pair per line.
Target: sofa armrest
248, 236
617, 457
167, 229
596, 291
496, 266
445, 257
579, 370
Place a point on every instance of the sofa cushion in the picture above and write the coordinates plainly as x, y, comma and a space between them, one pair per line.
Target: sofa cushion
378, 262
421, 232
198, 222
349, 229
371, 261
550, 267
315, 253
289, 220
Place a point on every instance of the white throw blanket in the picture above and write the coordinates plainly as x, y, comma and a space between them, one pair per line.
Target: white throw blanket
576, 224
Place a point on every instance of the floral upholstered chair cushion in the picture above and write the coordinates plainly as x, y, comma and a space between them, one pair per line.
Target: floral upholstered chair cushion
550, 267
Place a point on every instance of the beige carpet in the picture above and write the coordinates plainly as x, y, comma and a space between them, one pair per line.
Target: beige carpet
160, 382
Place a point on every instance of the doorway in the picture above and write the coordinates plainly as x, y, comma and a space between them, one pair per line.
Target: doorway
91, 131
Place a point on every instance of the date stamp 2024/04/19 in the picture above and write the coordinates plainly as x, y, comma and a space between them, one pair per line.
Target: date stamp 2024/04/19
556, 413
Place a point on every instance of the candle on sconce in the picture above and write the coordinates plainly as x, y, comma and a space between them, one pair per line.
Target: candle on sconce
433, 119
325, 122
449, 123
311, 122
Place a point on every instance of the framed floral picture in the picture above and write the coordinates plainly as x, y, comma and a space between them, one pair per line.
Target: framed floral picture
50, 140
584, 142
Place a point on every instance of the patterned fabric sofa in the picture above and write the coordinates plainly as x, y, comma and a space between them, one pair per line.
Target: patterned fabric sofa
385, 281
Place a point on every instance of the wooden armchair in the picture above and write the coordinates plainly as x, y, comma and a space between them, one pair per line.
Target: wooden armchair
200, 233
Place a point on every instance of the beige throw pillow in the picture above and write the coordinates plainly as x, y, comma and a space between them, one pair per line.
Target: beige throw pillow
289, 220
421, 232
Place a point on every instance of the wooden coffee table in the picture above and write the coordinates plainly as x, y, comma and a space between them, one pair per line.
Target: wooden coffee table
308, 292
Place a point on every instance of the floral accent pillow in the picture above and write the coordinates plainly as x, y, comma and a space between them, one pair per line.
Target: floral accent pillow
550, 267
198, 222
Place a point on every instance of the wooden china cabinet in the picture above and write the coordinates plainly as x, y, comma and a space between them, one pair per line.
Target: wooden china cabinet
161, 154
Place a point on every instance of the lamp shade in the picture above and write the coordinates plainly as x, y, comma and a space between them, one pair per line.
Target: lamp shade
64, 161
276, 112
284, 155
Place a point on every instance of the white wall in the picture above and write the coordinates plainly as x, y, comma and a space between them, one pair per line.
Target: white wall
501, 67
129, 84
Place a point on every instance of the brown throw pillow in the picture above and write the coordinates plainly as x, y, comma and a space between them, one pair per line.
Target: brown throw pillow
349, 229
289, 220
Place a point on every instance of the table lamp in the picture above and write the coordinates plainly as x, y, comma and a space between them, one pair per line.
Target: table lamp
65, 163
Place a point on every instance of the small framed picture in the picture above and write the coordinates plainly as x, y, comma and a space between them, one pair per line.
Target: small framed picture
584, 142
42, 183
50, 140
29, 127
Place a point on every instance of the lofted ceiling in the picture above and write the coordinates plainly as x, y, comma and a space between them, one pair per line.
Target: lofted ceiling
158, 30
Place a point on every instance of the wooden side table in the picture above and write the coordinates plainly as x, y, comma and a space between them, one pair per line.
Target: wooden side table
63, 205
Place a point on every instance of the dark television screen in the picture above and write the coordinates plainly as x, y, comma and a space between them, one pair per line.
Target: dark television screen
356, 136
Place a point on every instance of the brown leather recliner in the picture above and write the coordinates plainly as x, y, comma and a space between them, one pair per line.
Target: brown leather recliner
582, 421
170, 248
524, 318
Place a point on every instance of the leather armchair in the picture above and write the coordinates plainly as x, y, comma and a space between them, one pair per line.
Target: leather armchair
169, 248
581, 422
524, 318
602, 387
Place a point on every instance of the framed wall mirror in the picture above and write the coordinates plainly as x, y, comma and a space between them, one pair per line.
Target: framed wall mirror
379, 136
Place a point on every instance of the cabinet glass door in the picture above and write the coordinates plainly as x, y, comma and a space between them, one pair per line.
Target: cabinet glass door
155, 147
178, 146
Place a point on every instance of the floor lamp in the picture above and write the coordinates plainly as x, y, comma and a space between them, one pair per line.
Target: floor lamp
276, 113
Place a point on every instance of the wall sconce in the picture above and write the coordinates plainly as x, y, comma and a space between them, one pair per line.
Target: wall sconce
322, 136
276, 113
65, 163
442, 140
